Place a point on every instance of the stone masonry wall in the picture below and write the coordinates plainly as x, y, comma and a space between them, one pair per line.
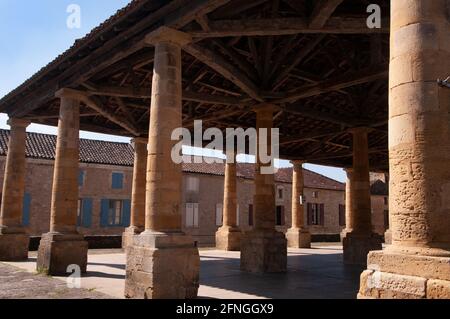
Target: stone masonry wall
98, 186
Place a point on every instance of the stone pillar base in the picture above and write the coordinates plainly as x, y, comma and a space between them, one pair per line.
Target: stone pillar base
58, 251
228, 239
298, 238
14, 247
162, 266
400, 276
128, 235
358, 246
263, 251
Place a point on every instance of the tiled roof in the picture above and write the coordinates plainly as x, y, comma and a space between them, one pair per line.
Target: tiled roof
42, 146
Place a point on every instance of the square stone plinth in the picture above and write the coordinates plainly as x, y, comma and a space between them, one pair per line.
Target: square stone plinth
162, 266
402, 276
59, 251
128, 235
263, 251
14, 247
228, 239
298, 238
357, 247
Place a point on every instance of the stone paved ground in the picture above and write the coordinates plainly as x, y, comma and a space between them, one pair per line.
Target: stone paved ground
313, 273
19, 284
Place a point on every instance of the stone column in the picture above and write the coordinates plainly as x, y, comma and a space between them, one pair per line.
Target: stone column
298, 236
137, 223
228, 237
361, 240
63, 245
14, 239
163, 262
348, 203
417, 264
264, 249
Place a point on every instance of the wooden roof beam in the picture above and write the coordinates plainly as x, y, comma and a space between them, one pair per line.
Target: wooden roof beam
322, 12
97, 105
223, 67
286, 26
370, 74
145, 93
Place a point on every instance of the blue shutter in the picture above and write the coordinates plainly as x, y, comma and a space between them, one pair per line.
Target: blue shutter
87, 213
117, 181
104, 210
126, 214
81, 178
26, 209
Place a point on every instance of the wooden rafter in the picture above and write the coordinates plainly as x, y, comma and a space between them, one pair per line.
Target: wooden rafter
285, 26
322, 12
145, 93
227, 70
359, 77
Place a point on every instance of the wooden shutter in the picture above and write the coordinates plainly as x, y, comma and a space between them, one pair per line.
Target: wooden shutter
81, 175
322, 214
238, 215
104, 211
86, 215
26, 209
117, 181
126, 213
309, 213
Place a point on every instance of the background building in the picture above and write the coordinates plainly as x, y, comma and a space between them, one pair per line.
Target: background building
105, 180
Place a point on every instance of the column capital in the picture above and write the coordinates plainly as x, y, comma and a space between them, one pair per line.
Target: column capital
166, 34
17, 122
348, 170
360, 130
298, 162
139, 140
69, 93
264, 108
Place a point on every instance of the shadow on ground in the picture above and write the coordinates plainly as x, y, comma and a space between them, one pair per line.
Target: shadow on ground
322, 276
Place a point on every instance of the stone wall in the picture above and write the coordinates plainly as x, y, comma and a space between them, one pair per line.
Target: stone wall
98, 186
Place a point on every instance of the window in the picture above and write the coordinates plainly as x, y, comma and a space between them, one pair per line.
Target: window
84, 213
117, 180
315, 194
115, 213
342, 221
192, 215
81, 178
26, 209
250, 215
193, 184
219, 214
280, 218
280, 193
316, 214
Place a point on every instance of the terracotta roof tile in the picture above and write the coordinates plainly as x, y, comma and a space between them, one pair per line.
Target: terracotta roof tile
42, 146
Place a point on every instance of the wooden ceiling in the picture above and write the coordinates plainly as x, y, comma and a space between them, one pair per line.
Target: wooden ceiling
316, 60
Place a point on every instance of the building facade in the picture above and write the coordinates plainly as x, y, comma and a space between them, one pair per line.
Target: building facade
105, 184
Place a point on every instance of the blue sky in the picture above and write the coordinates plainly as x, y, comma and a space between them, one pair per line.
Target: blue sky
33, 33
